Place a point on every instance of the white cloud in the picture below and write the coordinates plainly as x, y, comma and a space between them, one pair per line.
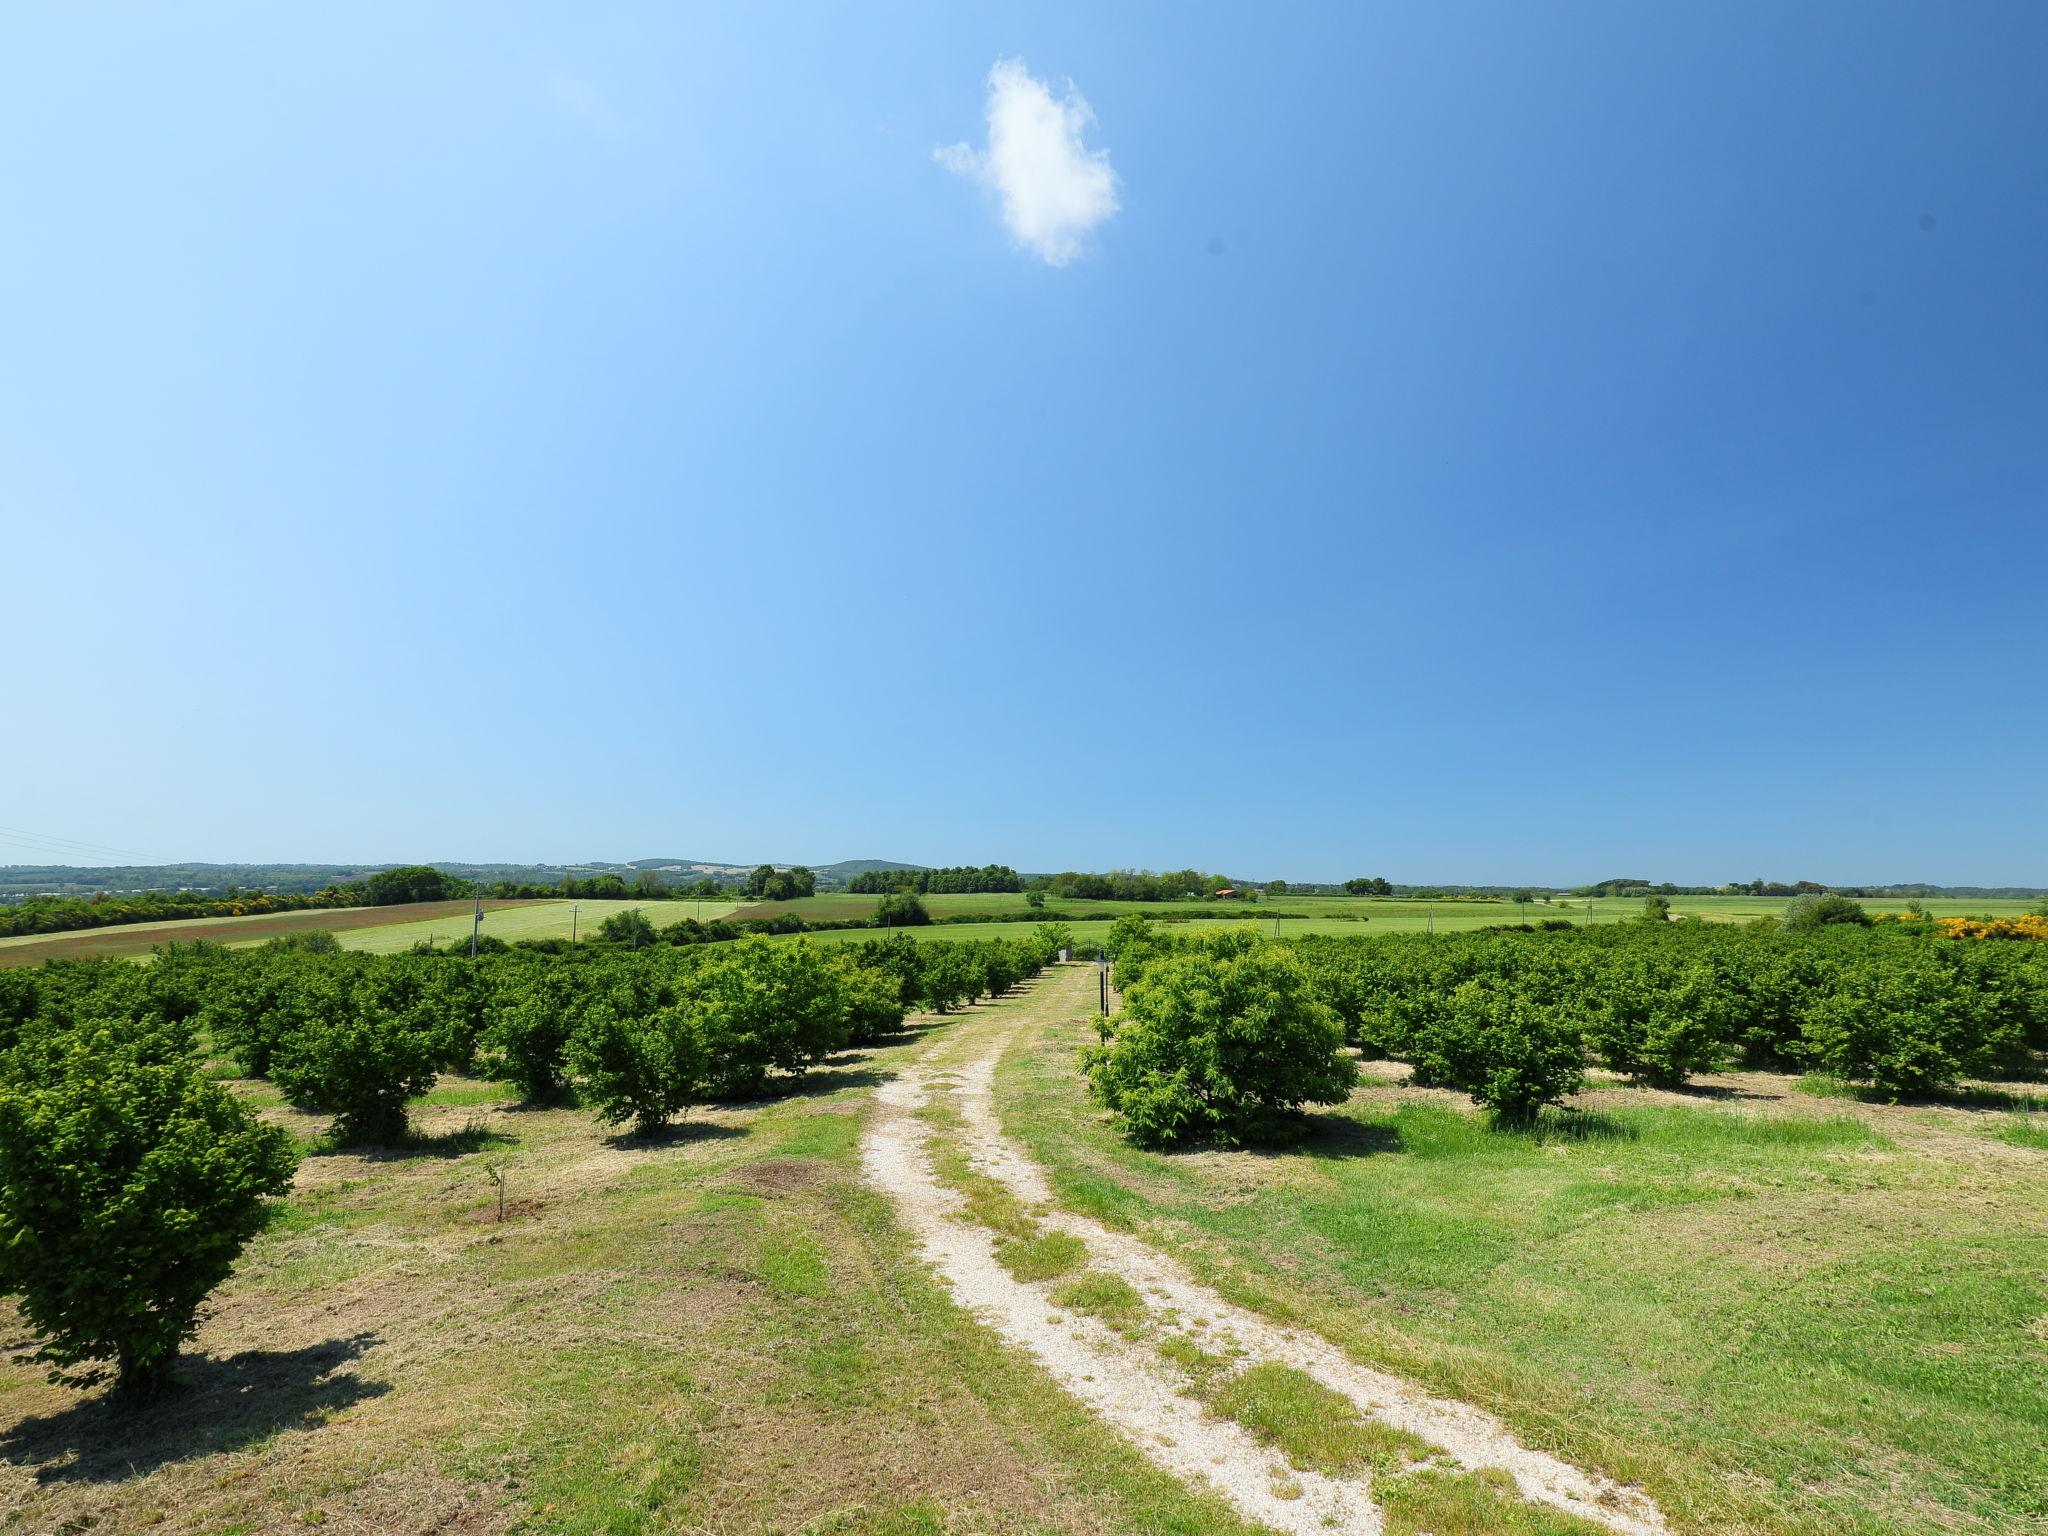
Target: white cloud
587, 105
1054, 189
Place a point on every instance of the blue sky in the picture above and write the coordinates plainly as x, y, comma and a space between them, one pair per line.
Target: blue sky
1483, 442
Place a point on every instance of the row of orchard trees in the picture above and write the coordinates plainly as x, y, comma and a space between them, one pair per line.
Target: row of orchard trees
129, 1180
1222, 1036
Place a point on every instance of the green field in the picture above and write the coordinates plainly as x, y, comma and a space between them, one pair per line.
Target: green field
1777, 1313
375, 930
528, 920
1333, 914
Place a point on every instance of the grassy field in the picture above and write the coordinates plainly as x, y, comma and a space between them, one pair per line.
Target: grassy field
1362, 914
719, 1332
379, 930
1780, 1313
1777, 1313
387, 930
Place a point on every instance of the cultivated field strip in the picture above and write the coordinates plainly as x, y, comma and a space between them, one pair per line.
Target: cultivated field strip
1126, 1380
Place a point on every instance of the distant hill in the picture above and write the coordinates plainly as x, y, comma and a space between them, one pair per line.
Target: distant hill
19, 881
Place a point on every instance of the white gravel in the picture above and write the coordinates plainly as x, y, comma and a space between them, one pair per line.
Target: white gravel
1129, 1384
1123, 1383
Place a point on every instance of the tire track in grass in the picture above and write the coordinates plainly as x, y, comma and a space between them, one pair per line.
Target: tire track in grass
1123, 1374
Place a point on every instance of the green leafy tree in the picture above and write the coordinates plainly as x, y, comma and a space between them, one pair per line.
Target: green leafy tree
1034, 899
360, 1065
1656, 908
872, 1001
525, 1039
902, 909
1908, 1021
414, 882
762, 1007
1809, 914
639, 1064
1219, 1047
1658, 1023
1507, 1047
948, 976
630, 927
128, 1187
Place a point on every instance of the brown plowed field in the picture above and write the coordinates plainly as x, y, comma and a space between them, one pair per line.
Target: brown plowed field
138, 938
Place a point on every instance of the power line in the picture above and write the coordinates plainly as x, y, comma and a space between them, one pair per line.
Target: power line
50, 840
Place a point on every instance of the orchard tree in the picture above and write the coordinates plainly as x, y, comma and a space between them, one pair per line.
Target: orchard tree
1218, 1046
129, 1184
359, 1065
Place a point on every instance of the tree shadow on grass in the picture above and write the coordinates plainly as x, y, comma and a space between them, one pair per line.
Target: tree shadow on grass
459, 1142
1341, 1136
1981, 1098
1567, 1125
220, 1403
1720, 1093
675, 1134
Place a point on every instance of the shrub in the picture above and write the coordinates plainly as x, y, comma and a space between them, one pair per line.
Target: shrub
314, 941
128, 1187
1660, 1024
902, 909
525, 1041
1907, 1024
1512, 1052
948, 977
630, 927
636, 1064
763, 1007
357, 1064
1219, 1047
1807, 914
872, 1001
414, 882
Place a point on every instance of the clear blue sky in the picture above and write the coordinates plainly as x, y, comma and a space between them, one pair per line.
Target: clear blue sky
1485, 442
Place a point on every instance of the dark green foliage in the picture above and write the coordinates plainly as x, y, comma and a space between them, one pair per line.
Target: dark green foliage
1916, 1022
351, 1058
902, 909
531, 1013
936, 882
314, 941
638, 1063
1510, 1049
412, 882
1807, 913
128, 1187
767, 883
1660, 1023
630, 927
1214, 1045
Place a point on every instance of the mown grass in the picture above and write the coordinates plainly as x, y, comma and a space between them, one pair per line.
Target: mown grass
723, 1331
1108, 1298
1312, 1426
1777, 1317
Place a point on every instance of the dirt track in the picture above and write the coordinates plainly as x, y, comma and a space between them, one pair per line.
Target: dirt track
1121, 1374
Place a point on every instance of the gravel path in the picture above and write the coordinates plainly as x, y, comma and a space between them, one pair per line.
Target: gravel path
1128, 1382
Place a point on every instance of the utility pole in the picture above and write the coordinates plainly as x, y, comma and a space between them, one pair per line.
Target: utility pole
1432, 917
575, 910
476, 923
